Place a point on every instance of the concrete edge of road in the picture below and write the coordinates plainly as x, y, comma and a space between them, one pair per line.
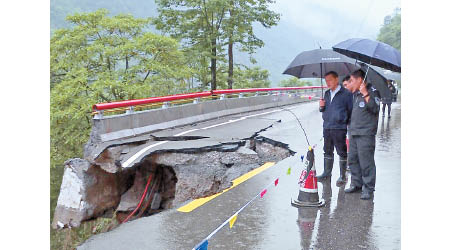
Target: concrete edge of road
128, 125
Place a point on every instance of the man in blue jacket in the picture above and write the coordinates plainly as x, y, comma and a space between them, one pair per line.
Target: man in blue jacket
336, 108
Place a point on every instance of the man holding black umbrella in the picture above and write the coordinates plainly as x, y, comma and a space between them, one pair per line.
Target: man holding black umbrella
366, 107
363, 128
336, 108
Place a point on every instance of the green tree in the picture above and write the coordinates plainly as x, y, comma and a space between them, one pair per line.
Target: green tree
104, 59
251, 78
198, 24
390, 33
294, 82
238, 27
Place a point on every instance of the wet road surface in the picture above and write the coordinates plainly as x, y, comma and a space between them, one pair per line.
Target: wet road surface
345, 222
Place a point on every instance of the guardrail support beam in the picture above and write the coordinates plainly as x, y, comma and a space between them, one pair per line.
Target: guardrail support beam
99, 114
130, 110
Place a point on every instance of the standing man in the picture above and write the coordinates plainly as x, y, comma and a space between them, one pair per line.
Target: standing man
345, 81
393, 90
363, 128
336, 108
388, 100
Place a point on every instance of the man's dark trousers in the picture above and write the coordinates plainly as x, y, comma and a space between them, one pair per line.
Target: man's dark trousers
362, 162
334, 138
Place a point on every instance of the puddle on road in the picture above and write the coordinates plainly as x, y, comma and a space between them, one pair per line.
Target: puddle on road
388, 139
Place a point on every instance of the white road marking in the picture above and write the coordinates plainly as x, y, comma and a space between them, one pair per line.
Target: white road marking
135, 156
265, 113
220, 124
185, 132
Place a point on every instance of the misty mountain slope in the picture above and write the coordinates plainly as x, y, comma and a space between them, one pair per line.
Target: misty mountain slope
301, 27
59, 9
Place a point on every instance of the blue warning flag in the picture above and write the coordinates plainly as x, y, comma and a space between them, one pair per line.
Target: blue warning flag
302, 157
202, 245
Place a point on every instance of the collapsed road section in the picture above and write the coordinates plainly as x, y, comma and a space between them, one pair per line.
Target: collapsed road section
142, 162
160, 177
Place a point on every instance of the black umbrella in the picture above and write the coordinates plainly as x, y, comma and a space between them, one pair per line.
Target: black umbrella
314, 63
377, 80
371, 52
387, 73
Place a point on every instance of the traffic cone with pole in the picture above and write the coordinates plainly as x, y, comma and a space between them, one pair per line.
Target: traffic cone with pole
308, 195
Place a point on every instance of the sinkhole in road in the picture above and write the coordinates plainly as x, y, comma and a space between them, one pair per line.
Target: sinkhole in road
178, 176
100, 187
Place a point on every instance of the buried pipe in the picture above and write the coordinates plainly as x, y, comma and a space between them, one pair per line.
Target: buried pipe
148, 203
142, 199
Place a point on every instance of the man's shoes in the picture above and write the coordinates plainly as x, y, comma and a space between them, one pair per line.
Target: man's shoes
389, 117
342, 168
341, 180
366, 195
353, 189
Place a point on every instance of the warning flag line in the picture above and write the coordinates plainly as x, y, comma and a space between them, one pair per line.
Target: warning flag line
203, 245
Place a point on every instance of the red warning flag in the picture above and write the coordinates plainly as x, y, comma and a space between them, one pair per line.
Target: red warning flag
263, 192
276, 182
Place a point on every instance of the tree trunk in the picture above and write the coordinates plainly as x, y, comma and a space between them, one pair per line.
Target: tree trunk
230, 63
213, 64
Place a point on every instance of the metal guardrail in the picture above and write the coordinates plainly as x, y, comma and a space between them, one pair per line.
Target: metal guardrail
130, 106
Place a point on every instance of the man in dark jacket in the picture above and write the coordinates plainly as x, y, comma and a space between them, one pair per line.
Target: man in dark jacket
362, 130
393, 90
388, 99
336, 108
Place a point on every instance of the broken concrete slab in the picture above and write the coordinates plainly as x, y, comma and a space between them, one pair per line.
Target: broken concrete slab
187, 174
87, 191
130, 199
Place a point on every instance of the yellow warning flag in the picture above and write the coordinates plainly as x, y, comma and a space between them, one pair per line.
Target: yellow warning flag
232, 221
289, 171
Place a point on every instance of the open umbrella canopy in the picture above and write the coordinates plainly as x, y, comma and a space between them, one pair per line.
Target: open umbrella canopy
371, 52
316, 63
377, 80
390, 75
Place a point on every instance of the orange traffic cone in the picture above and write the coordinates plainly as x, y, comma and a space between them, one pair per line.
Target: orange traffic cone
308, 195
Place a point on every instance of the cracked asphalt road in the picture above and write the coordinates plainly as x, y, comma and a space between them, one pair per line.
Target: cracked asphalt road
345, 222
